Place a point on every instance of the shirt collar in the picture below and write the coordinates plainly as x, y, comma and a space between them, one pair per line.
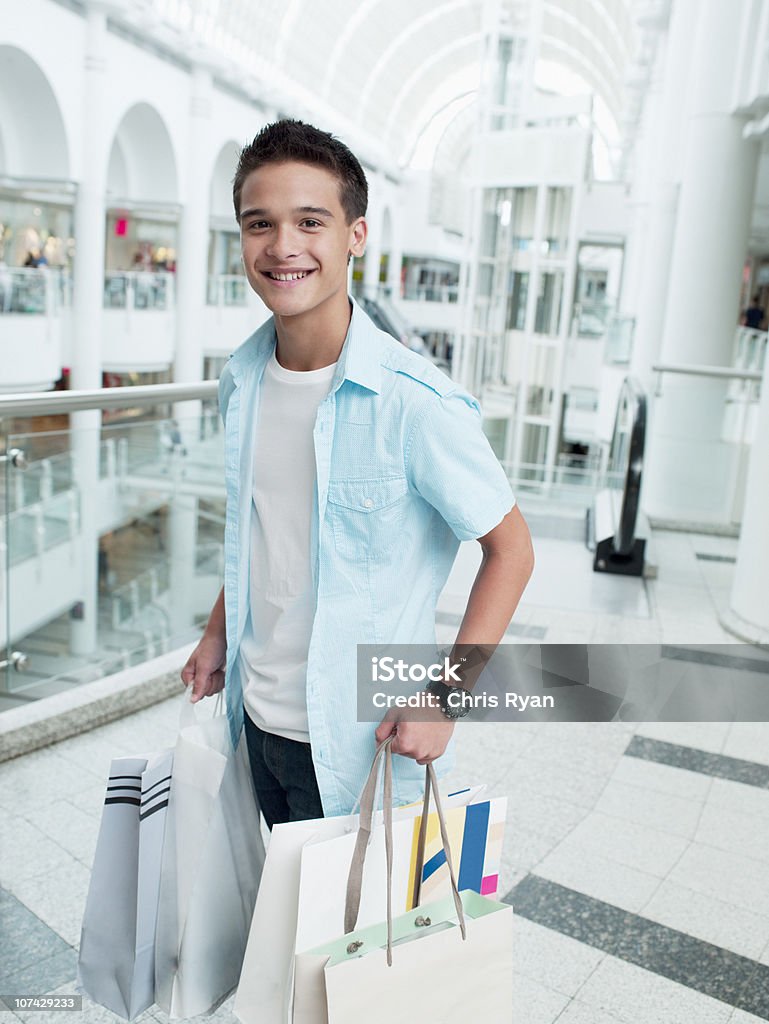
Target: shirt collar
360, 358
359, 361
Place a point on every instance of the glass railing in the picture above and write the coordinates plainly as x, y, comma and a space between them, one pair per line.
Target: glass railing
101, 526
432, 293
226, 290
141, 290
36, 291
590, 319
704, 425
618, 340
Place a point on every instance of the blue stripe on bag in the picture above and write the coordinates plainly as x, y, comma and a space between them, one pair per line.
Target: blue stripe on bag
432, 865
473, 847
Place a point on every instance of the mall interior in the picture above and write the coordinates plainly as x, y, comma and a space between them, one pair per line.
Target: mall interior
569, 216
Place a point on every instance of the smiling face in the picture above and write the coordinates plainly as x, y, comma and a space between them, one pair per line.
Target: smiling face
295, 239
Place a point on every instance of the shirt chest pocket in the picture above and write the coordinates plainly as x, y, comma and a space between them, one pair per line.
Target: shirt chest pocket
366, 516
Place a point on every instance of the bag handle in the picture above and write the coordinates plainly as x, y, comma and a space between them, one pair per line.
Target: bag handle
187, 714
367, 805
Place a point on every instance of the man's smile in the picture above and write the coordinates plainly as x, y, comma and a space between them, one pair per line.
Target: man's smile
286, 277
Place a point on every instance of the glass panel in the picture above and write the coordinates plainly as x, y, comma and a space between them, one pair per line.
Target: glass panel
490, 223
26, 290
548, 315
619, 340
151, 291
524, 207
539, 398
226, 290
430, 280
114, 546
557, 213
115, 291
534, 451
516, 307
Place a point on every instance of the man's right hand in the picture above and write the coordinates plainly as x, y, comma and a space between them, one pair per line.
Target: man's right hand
204, 670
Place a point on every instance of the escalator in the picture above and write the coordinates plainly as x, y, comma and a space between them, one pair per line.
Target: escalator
613, 518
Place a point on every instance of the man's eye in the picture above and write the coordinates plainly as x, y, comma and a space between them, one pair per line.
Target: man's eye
310, 223
257, 224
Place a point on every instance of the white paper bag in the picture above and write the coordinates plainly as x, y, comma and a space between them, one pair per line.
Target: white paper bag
448, 961
288, 913
116, 964
435, 975
212, 863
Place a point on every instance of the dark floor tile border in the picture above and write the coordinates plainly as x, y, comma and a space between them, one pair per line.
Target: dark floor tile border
719, 973
703, 656
34, 957
718, 765
704, 556
514, 629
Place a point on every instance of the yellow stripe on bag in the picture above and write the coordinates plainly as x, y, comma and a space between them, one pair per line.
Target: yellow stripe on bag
455, 826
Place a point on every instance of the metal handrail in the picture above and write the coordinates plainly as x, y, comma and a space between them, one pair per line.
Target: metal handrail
724, 372
53, 402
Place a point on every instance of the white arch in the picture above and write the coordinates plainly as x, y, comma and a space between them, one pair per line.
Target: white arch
221, 181
412, 29
345, 36
148, 161
608, 62
588, 70
34, 137
439, 55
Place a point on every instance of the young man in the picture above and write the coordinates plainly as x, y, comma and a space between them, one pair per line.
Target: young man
353, 468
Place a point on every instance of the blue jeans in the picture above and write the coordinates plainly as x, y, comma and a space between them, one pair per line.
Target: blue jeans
284, 776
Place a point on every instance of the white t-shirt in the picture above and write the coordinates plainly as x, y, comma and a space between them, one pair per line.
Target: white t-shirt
277, 636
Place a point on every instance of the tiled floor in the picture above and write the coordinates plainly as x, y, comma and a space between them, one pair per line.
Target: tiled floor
636, 856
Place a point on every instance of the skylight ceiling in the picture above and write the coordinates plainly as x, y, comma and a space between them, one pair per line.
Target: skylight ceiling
384, 68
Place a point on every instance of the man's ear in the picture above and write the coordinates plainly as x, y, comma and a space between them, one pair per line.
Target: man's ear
358, 235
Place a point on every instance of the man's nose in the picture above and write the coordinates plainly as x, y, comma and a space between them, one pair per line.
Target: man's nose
283, 244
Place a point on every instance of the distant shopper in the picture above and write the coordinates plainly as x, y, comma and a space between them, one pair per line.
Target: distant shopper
753, 316
354, 468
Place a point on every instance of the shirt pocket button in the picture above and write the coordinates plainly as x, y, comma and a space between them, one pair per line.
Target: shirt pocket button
368, 503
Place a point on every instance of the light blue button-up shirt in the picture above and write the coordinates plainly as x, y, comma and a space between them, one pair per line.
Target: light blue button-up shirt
404, 473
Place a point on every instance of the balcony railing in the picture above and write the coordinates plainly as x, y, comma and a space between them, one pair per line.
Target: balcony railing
34, 291
227, 290
138, 290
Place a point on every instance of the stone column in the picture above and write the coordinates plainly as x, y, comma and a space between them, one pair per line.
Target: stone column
87, 303
191, 283
689, 471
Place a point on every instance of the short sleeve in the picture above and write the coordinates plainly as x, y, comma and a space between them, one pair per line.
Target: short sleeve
449, 461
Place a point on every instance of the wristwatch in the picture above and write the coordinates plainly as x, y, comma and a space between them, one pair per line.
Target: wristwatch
454, 709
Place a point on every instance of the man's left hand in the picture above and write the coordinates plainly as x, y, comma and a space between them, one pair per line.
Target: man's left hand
424, 741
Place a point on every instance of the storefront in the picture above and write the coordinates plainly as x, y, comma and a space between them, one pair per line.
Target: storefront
36, 224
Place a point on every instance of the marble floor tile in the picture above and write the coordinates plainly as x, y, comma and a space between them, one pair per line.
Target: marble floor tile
534, 1002
624, 842
637, 996
708, 918
739, 881
598, 876
549, 957
661, 812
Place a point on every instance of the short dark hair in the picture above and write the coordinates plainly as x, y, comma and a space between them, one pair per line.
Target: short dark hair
294, 140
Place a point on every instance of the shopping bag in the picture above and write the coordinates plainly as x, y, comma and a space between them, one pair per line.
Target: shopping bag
292, 909
475, 832
448, 960
212, 863
116, 963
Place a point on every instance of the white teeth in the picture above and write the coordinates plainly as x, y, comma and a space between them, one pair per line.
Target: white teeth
289, 277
